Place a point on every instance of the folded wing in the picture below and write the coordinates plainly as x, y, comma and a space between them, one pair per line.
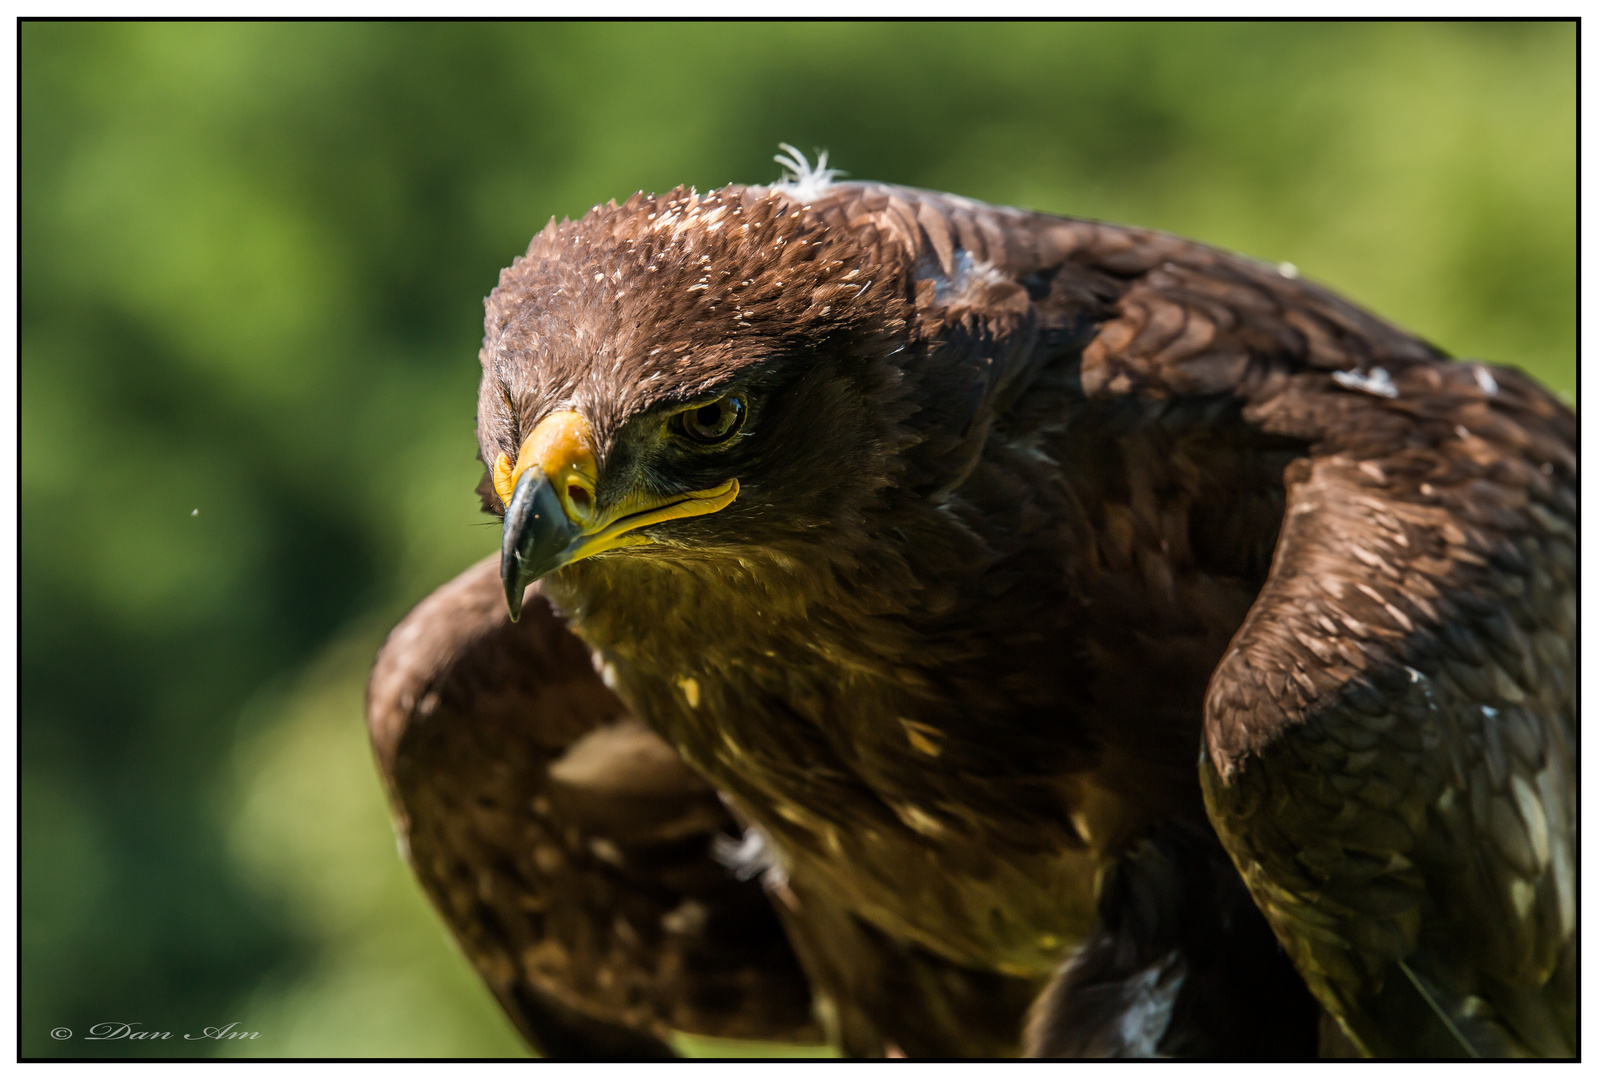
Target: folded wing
568, 848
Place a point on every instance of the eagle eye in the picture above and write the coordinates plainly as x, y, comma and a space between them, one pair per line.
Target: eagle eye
714, 422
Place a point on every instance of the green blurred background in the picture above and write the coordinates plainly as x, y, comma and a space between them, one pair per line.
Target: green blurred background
253, 258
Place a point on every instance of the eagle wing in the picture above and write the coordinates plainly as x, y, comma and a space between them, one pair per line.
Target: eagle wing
1390, 746
568, 848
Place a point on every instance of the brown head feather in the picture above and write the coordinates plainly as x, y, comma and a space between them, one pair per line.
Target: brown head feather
666, 297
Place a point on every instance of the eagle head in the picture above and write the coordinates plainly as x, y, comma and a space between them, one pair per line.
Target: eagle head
685, 376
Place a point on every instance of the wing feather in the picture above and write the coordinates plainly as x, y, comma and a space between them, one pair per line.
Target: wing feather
568, 848
1390, 741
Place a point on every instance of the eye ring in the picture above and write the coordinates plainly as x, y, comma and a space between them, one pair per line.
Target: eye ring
713, 422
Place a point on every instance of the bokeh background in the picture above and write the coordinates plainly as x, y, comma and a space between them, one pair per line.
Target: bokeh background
253, 258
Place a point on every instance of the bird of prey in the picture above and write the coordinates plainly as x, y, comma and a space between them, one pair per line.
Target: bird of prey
943, 629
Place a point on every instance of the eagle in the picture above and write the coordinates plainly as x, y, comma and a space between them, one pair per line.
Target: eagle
942, 629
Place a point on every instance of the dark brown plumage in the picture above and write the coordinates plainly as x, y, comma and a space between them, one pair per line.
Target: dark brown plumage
939, 540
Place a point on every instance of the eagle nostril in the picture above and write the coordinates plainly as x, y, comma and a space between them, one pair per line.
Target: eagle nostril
582, 500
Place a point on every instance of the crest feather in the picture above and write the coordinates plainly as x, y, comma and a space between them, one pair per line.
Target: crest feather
800, 179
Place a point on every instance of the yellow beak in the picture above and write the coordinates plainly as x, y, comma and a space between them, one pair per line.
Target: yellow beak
551, 514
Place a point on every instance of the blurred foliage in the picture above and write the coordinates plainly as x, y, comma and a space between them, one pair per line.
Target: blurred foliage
252, 260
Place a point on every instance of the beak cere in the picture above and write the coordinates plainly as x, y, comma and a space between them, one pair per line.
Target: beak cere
551, 512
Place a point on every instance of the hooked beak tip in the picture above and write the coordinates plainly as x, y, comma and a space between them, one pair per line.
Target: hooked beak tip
513, 599
537, 533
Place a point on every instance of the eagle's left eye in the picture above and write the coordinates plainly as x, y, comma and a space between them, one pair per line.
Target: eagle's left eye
715, 422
